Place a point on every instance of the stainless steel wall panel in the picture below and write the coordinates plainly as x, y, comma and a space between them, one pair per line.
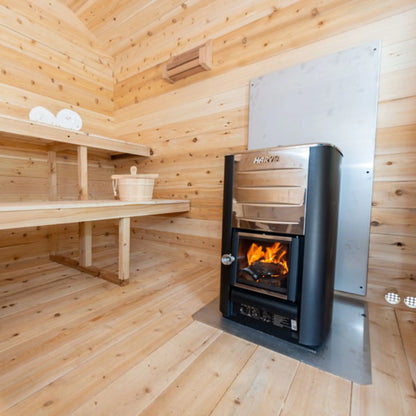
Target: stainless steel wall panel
330, 99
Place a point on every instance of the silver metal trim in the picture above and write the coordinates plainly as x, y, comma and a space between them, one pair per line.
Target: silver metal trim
308, 145
296, 229
265, 170
267, 188
269, 205
265, 236
268, 221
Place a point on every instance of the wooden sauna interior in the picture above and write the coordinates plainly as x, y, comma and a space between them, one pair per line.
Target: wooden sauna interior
71, 343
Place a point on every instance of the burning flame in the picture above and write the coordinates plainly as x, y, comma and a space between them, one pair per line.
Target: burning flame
274, 254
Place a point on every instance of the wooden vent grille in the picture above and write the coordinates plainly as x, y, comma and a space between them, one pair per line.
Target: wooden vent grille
189, 63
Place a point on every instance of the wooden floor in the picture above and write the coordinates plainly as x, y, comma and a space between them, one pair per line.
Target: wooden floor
73, 344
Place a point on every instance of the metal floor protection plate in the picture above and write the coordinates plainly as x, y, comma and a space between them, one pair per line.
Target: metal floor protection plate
345, 353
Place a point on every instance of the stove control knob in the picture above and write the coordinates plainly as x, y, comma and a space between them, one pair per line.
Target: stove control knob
227, 259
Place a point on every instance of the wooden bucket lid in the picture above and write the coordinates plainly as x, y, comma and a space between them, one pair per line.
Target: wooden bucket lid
135, 175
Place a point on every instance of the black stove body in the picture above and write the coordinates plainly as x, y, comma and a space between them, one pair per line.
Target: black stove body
279, 240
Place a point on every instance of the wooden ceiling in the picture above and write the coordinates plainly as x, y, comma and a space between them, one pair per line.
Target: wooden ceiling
120, 24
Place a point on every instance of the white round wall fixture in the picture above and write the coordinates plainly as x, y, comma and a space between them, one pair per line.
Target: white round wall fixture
392, 296
410, 301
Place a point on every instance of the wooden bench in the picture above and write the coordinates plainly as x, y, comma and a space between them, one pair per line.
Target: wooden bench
32, 214
82, 211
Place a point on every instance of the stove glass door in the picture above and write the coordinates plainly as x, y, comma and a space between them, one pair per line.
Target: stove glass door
263, 263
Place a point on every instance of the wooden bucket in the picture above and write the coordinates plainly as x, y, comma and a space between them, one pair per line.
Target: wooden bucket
134, 187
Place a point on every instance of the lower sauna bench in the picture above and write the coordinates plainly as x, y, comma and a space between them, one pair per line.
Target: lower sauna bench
34, 214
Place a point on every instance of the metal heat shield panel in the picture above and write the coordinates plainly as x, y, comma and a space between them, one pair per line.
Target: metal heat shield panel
331, 100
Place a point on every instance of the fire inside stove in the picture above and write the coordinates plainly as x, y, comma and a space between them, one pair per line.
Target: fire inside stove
263, 264
270, 262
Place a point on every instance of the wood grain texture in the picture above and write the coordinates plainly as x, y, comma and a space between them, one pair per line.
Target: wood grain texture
177, 354
109, 65
43, 78
85, 244
69, 72
391, 391
29, 244
392, 140
31, 130
37, 19
327, 394
82, 152
73, 344
17, 103
250, 37
394, 194
124, 248
397, 249
261, 387
130, 338
220, 363
396, 56
175, 119
190, 26
24, 171
35, 214
407, 327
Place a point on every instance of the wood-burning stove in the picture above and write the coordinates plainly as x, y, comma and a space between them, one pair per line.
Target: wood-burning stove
279, 239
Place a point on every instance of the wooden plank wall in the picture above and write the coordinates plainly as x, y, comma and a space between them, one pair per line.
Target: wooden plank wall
48, 58
192, 124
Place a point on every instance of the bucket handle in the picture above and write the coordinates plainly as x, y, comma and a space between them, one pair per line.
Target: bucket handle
115, 184
133, 171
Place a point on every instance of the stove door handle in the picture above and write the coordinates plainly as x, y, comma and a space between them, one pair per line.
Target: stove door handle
227, 259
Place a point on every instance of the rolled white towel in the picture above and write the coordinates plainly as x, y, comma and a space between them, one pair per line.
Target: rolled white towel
42, 115
69, 119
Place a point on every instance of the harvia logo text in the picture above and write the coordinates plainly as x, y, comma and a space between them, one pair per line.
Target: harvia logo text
265, 159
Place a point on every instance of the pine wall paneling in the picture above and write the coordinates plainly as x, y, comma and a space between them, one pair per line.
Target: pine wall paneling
50, 24
47, 81
282, 31
24, 176
48, 62
17, 102
192, 124
117, 25
106, 63
49, 58
186, 27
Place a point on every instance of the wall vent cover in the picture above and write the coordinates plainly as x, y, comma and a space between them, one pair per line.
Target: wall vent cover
189, 63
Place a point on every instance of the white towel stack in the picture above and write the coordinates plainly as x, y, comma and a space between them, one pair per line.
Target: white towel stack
65, 118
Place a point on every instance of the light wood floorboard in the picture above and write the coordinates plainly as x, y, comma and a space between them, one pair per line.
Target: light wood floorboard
72, 344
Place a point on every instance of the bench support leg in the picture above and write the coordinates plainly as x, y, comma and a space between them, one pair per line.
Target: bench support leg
85, 244
124, 248
122, 277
